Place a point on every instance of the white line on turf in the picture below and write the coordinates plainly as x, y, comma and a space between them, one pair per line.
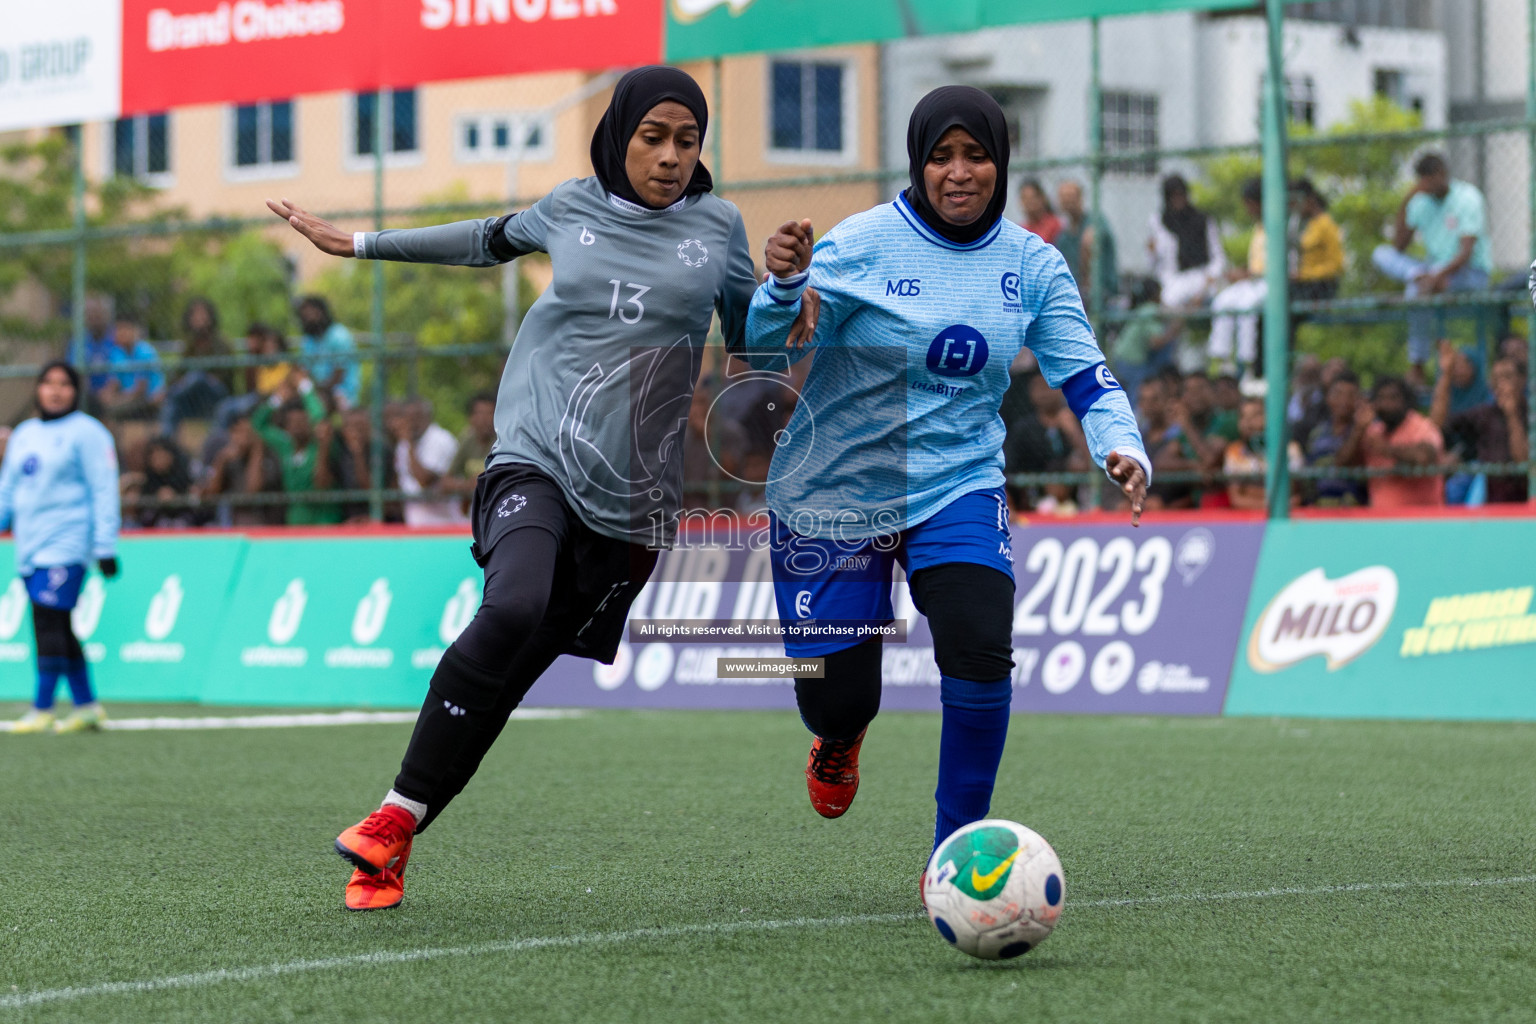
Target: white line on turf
202, 979
169, 724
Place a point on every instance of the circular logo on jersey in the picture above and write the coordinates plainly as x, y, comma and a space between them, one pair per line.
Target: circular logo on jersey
1010, 286
510, 504
30, 466
958, 351
693, 253
1106, 379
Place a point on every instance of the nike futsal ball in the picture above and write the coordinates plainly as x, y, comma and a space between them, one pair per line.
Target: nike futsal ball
994, 889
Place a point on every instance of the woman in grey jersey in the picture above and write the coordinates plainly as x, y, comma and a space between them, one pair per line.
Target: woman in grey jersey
583, 484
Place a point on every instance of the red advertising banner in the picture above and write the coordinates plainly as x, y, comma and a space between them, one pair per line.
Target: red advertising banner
181, 52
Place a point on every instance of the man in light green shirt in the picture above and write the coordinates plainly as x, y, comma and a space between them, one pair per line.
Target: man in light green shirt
1450, 218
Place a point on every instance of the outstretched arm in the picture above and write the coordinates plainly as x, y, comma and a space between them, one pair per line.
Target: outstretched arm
465, 243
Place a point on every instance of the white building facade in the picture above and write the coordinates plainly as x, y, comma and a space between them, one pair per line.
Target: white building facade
1174, 81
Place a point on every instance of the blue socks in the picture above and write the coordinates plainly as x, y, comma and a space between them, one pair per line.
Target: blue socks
77, 672
970, 748
79, 676
49, 669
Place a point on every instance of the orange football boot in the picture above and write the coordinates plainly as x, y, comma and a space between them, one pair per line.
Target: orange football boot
832, 774
382, 891
380, 841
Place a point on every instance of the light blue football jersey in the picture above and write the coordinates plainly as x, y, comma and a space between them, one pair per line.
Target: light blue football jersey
899, 413
58, 492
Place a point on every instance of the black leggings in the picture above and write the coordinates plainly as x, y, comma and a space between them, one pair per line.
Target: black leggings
55, 634
487, 671
970, 613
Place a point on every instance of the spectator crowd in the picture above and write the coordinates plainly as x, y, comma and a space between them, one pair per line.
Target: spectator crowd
218, 444
246, 446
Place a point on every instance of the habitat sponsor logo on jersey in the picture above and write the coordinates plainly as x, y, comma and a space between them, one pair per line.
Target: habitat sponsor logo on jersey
367, 626
159, 621
282, 626
1312, 615
957, 351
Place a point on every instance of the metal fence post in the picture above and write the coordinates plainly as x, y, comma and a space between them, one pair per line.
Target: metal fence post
1095, 174
77, 346
376, 474
1095, 267
1277, 305
1530, 319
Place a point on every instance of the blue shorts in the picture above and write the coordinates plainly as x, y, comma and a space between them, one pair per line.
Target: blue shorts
57, 586
850, 582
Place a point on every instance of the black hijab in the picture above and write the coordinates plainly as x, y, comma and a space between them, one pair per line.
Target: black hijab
637, 92
957, 106
74, 378
1188, 226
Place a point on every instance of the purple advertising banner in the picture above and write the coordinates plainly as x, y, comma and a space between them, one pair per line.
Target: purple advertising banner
1106, 620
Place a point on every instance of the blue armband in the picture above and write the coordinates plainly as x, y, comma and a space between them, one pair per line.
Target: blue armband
1084, 388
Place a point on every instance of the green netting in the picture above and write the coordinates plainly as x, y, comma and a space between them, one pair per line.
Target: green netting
698, 29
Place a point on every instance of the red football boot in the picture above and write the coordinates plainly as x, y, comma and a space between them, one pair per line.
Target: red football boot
382, 891
832, 774
379, 841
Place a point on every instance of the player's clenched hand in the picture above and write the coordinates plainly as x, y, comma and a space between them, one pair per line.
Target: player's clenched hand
326, 236
1132, 480
789, 250
804, 327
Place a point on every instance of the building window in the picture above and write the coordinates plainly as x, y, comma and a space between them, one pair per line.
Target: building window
1367, 13
400, 132
1300, 100
808, 109
1129, 121
141, 146
503, 135
1392, 84
263, 135
1024, 112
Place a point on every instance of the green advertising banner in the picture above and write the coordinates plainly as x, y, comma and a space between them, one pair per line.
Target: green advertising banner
352, 622
148, 634
700, 29
1391, 619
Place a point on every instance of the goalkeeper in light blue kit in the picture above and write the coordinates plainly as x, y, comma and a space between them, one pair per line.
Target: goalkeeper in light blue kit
58, 494
894, 452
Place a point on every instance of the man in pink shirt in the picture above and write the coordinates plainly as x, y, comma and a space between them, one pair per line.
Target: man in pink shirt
1388, 432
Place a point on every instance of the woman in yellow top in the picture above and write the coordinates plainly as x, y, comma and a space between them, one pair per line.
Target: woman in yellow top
1321, 246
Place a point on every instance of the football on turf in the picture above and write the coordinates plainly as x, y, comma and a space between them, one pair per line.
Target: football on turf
994, 889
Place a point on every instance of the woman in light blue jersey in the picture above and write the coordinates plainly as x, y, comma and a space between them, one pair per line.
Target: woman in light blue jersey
58, 494
894, 451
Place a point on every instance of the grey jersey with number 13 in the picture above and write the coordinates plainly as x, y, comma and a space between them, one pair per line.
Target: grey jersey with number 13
597, 387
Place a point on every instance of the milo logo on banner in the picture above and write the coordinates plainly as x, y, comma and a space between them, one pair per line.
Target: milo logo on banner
1312, 615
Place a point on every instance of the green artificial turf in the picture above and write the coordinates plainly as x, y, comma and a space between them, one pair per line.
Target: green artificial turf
131, 857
